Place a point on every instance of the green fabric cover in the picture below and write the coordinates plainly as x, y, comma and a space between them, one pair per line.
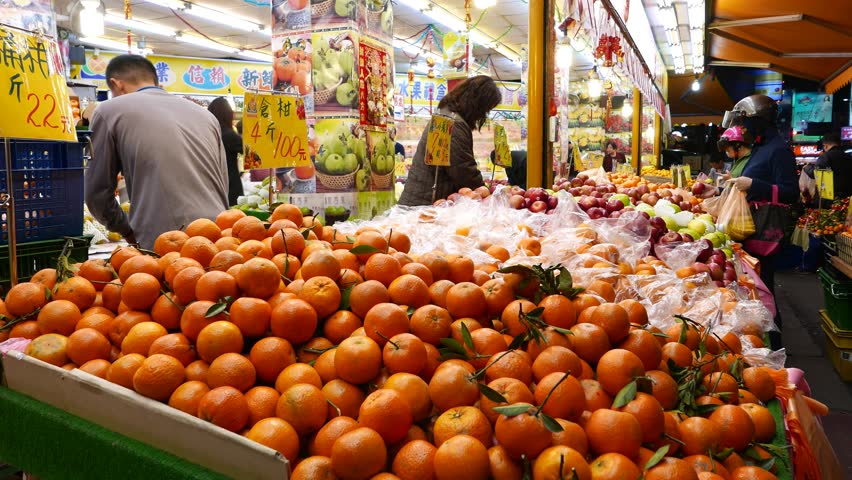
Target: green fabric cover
53, 444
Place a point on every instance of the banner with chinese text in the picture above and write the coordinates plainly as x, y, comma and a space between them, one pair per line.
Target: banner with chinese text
428, 92
438, 141
275, 133
373, 72
36, 103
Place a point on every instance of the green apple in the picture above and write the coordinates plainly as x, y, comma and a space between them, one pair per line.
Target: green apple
706, 216
712, 238
728, 252
362, 180
644, 207
382, 164
344, 8
692, 233
350, 163
336, 146
346, 95
334, 164
623, 198
671, 224
698, 226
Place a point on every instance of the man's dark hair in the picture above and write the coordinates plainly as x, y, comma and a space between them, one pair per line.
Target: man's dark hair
611, 143
472, 99
715, 160
132, 68
831, 138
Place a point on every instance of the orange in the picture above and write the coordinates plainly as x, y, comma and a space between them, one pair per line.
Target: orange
194, 318
699, 436
602, 289
503, 467
287, 211
183, 285
614, 466
513, 390
340, 326
205, 228
359, 454
386, 412
344, 398
438, 291
415, 461
224, 407
664, 388
453, 385
294, 320
366, 295
409, 290
461, 269
383, 268
320, 263
430, 323
45, 277
120, 255
217, 339
297, 373
721, 385
400, 241
404, 353
224, 260
50, 348
764, 422
636, 312
731, 342
735, 426
522, 435
166, 311
324, 364
358, 359
227, 218
691, 338
758, 381
259, 278
385, 320
322, 443
122, 370
613, 319
703, 463
304, 407
751, 473
513, 364
647, 410
175, 345
322, 294
97, 367
678, 353
175, 267
556, 359
462, 456
590, 341
58, 316
437, 264
158, 377
498, 294
572, 435
288, 241
552, 338
97, 271
262, 402
197, 370
466, 299
498, 252
87, 344
25, 298
140, 291
215, 286
248, 228
562, 462
376, 240
414, 391
645, 346
566, 401
418, 270
671, 468
311, 350
99, 321
270, 356
187, 396
141, 336
140, 264
313, 468
200, 249
610, 431
618, 367
231, 369
462, 421
276, 434
250, 315
558, 311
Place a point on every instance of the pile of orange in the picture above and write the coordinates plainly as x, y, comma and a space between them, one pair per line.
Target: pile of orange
356, 360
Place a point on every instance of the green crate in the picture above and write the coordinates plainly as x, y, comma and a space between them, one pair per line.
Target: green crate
34, 256
838, 298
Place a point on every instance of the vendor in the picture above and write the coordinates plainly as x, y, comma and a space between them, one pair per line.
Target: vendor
613, 157
838, 161
468, 105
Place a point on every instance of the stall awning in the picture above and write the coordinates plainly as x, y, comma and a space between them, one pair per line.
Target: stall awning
810, 40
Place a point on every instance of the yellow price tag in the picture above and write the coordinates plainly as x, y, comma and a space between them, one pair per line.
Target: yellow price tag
34, 99
502, 154
825, 183
275, 133
438, 141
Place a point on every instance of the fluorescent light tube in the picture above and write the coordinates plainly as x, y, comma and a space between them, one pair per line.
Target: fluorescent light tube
140, 26
112, 45
204, 43
260, 57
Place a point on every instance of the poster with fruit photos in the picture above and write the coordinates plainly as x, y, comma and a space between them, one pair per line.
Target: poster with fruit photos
373, 94
380, 150
290, 15
335, 13
377, 20
292, 64
341, 161
335, 74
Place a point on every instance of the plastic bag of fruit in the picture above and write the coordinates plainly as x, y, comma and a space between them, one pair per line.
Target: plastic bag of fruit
678, 255
629, 233
735, 215
596, 174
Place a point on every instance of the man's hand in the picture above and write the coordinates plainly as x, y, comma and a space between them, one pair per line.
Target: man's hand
725, 176
742, 183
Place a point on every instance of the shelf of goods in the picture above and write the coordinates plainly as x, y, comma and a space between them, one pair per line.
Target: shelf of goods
467, 270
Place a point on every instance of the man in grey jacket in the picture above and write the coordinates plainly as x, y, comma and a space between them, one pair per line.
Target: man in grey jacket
169, 150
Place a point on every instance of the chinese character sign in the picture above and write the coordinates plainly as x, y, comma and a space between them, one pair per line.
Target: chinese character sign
372, 63
502, 154
456, 55
438, 141
33, 96
275, 133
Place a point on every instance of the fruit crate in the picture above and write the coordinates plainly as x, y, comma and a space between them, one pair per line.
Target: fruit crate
838, 346
844, 247
838, 296
47, 183
34, 256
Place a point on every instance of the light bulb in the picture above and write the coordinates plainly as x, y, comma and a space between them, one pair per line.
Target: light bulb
627, 109
564, 58
91, 19
595, 88
695, 85
483, 4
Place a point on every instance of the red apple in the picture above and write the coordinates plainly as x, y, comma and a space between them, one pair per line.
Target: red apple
538, 206
596, 212
516, 202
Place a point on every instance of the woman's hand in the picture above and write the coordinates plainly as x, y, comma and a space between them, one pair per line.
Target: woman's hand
725, 176
742, 183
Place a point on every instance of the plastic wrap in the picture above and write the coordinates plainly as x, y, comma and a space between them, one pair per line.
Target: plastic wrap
735, 215
677, 255
596, 174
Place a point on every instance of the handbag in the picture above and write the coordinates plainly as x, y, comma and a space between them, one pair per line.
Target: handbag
770, 222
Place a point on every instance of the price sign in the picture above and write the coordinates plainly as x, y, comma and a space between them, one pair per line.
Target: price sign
33, 96
438, 141
825, 183
275, 133
502, 154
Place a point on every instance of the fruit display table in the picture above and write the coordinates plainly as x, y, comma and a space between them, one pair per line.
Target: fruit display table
53, 444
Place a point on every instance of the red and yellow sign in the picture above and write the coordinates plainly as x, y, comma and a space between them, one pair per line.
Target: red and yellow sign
502, 154
373, 63
34, 99
275, 133
438, 141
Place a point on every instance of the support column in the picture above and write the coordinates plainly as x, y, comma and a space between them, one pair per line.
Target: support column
536, 134
549, 37
658, 121
636, 137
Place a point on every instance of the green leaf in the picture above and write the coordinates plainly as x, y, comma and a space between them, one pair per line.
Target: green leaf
468, 340
517, 342
344, 298
658, 457
364, 249
454, 346
724, 454
491, 394
563, 331
574, 475
513, 410
215, 309
704, 410
47, 294
448, 355
625, 396
566, 283
411, 311
550, 423
767, 464
522, 269
535, 313
659, 334
306, 233
684, 329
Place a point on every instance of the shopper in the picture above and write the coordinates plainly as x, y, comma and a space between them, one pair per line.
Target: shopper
834, 157
717, 170
613, 157
221, 109
169, 150
468, 104
736, 144
517, 173
771, 164
398, 148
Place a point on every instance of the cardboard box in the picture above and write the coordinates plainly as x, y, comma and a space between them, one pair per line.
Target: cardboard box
151, 422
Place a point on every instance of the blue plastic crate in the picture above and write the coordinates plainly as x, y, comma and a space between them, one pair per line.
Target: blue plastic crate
47, 180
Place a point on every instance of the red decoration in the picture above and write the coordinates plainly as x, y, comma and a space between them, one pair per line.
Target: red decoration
609, 49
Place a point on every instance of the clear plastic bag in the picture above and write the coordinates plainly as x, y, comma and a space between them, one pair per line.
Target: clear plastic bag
735, 215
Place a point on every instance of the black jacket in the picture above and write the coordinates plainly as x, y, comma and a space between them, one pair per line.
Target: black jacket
840, 164
233, 147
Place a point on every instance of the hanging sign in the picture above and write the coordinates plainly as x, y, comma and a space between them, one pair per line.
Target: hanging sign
502, 154
456, 55
438, 141
275, 133
825, 183
34, 98
373, 65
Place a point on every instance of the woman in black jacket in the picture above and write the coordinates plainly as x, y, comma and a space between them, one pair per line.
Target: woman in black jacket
221, 109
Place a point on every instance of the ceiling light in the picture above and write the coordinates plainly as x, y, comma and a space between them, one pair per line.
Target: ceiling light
260, 57
419, 4
173, 4
483, 4
140, 26
112, 45
668, 18
91, 18
204, 43
446, 19
594, 84
212, 15
696, 85
627, 109
564, 57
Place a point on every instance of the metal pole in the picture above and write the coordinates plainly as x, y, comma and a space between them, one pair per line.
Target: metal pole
657, 137
537, 95
636, 144
10, 215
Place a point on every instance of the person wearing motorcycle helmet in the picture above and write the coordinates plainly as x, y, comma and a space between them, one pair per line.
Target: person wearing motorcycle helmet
736, 144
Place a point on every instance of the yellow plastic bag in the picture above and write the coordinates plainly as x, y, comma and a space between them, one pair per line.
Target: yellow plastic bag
735, 215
